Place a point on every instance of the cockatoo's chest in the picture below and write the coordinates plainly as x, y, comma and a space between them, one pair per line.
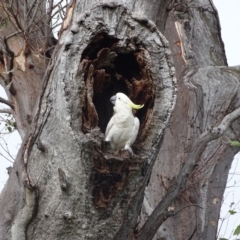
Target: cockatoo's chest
124, 119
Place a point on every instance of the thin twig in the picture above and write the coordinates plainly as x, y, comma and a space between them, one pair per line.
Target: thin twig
25, 17
6, 150
59, 10
31, 7
6, 158
175, 213
14, 15
13, 34
34, 15
57, 4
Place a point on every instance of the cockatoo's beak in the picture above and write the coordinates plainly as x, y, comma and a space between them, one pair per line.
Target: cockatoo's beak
113, 99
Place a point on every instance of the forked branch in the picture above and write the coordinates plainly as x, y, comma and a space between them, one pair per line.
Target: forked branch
5, 101
161, 213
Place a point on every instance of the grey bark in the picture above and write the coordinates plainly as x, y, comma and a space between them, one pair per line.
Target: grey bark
65, 185
207, 90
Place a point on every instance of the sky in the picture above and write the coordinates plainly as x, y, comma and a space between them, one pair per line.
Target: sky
228, 11
230, 24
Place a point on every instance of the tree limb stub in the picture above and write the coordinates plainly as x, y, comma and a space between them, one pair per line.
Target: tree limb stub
160, 213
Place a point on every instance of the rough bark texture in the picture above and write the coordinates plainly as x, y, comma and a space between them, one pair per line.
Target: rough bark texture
64, 184
207, 91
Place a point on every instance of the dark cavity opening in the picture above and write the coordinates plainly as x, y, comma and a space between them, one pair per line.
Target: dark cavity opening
108, 69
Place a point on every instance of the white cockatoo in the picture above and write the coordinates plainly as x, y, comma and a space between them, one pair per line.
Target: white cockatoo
123, 127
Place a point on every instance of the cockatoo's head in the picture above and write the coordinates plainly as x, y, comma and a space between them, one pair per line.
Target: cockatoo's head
121, 100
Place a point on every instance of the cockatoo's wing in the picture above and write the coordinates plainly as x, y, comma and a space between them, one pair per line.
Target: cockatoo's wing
109, 126
136, 129
133, 136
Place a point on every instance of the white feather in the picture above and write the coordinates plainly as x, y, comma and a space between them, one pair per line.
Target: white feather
123, 127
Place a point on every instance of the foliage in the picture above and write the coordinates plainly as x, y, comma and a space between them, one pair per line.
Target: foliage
237, 230
232, 212
10, 123
235, 143
3, 22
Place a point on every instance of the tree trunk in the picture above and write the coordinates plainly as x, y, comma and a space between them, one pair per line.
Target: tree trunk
207, 91
64, 183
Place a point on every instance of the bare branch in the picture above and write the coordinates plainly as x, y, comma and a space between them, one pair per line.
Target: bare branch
10, 18
13, 34
38, 20
34, 14
175, 213
29, 44
59, 10
25, 13
31, 7
57, 4
56, 25
160, 213
5, 148
6, 110
2, 100
14, 15
48, 22
11, 161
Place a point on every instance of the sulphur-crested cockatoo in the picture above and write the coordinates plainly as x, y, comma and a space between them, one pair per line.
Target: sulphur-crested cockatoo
123, 127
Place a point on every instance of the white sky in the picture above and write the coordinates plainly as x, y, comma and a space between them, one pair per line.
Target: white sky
230, 24
229, 14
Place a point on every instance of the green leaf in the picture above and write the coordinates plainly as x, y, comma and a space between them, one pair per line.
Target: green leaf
232, 212
3, 22
237, 230
9, 129
235, 143
222, 239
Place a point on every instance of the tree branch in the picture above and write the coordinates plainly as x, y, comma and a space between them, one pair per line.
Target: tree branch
6, 110
160, 213
34, 15
172, 213
13, 34
2, 100
14, 15
59, 10
31, 7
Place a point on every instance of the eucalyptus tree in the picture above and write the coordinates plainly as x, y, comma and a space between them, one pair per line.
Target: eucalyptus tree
167, 55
